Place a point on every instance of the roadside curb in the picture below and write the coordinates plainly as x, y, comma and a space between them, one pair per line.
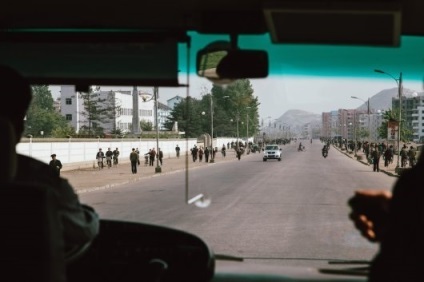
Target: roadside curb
109, 180
366, 163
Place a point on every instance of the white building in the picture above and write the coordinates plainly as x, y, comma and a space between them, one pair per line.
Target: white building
173, 101
72, 108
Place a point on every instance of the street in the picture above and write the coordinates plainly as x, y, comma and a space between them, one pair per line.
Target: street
291, 212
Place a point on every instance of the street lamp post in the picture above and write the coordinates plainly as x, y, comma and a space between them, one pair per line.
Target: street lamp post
354, 132
146, 98
237, 121
368, 113
155, 94
399, 84
247, 126
212, 160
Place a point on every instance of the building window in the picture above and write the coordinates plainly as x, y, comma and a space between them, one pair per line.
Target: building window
68, 101
68, 117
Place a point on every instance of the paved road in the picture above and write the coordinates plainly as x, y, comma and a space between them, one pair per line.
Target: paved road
90, 179
292, 212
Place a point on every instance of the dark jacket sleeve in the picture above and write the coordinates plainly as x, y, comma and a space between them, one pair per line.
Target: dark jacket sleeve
80, 223
400, 257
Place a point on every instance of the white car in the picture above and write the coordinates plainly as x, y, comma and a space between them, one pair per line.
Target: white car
272, 152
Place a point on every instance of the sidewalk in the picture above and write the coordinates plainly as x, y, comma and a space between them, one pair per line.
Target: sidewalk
390, 170
90, 179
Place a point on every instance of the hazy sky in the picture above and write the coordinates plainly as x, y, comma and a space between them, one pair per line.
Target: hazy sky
279, 94
314, 78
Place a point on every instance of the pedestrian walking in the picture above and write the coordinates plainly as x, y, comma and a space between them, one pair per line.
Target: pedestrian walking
55, 164
223, 150
200, 153
115, 156
403, 156
160, 156
152, 157
134, 161
206, 153
375, 155
388, 156
194, 152
177, 151
412, 156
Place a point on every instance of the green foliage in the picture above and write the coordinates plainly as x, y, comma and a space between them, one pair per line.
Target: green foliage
406, 133
212, 60
63, 132
42, 116
234, 102
146, 125
363, 133
99, 110
117, 133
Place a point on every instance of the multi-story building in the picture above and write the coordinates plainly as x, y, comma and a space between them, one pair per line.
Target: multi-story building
326, 125
72, 107
412, 113
163, 113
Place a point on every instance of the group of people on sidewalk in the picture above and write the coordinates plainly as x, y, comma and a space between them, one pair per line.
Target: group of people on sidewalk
197, 153
134, 157
149, 158
111, 157
374, 152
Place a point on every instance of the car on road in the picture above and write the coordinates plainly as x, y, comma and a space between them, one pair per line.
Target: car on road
272, 152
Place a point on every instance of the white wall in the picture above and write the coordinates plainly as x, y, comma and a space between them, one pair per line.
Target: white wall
75, 151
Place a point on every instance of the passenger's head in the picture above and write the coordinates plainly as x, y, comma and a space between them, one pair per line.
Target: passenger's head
14, 84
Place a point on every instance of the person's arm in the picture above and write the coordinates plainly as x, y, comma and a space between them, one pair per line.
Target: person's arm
369, 212
80, 222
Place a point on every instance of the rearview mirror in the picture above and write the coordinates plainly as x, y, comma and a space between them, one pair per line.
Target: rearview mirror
222, 64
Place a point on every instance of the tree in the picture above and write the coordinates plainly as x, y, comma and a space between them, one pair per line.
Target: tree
41, 115
237, 102
188, 114
406, 133
232, 102
146, 125
99, 110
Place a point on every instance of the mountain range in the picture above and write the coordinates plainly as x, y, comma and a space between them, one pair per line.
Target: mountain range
380, 101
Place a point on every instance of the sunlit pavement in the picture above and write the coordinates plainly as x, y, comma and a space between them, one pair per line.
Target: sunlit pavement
90, 179
360, 157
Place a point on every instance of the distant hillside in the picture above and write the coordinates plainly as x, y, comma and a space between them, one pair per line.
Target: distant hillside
383, 99
299, 118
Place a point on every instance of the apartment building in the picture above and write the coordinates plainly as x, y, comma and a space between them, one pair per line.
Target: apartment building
412, 113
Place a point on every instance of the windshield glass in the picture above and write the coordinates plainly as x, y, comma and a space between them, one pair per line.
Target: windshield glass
291, 212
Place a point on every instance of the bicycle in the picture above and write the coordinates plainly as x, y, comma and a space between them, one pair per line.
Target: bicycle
109, 162
100, 163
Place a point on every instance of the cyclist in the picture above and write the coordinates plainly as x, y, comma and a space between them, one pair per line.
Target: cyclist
109, 155
115, 156
99, 156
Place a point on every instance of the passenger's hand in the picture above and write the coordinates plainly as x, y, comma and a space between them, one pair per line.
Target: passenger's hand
370, 212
